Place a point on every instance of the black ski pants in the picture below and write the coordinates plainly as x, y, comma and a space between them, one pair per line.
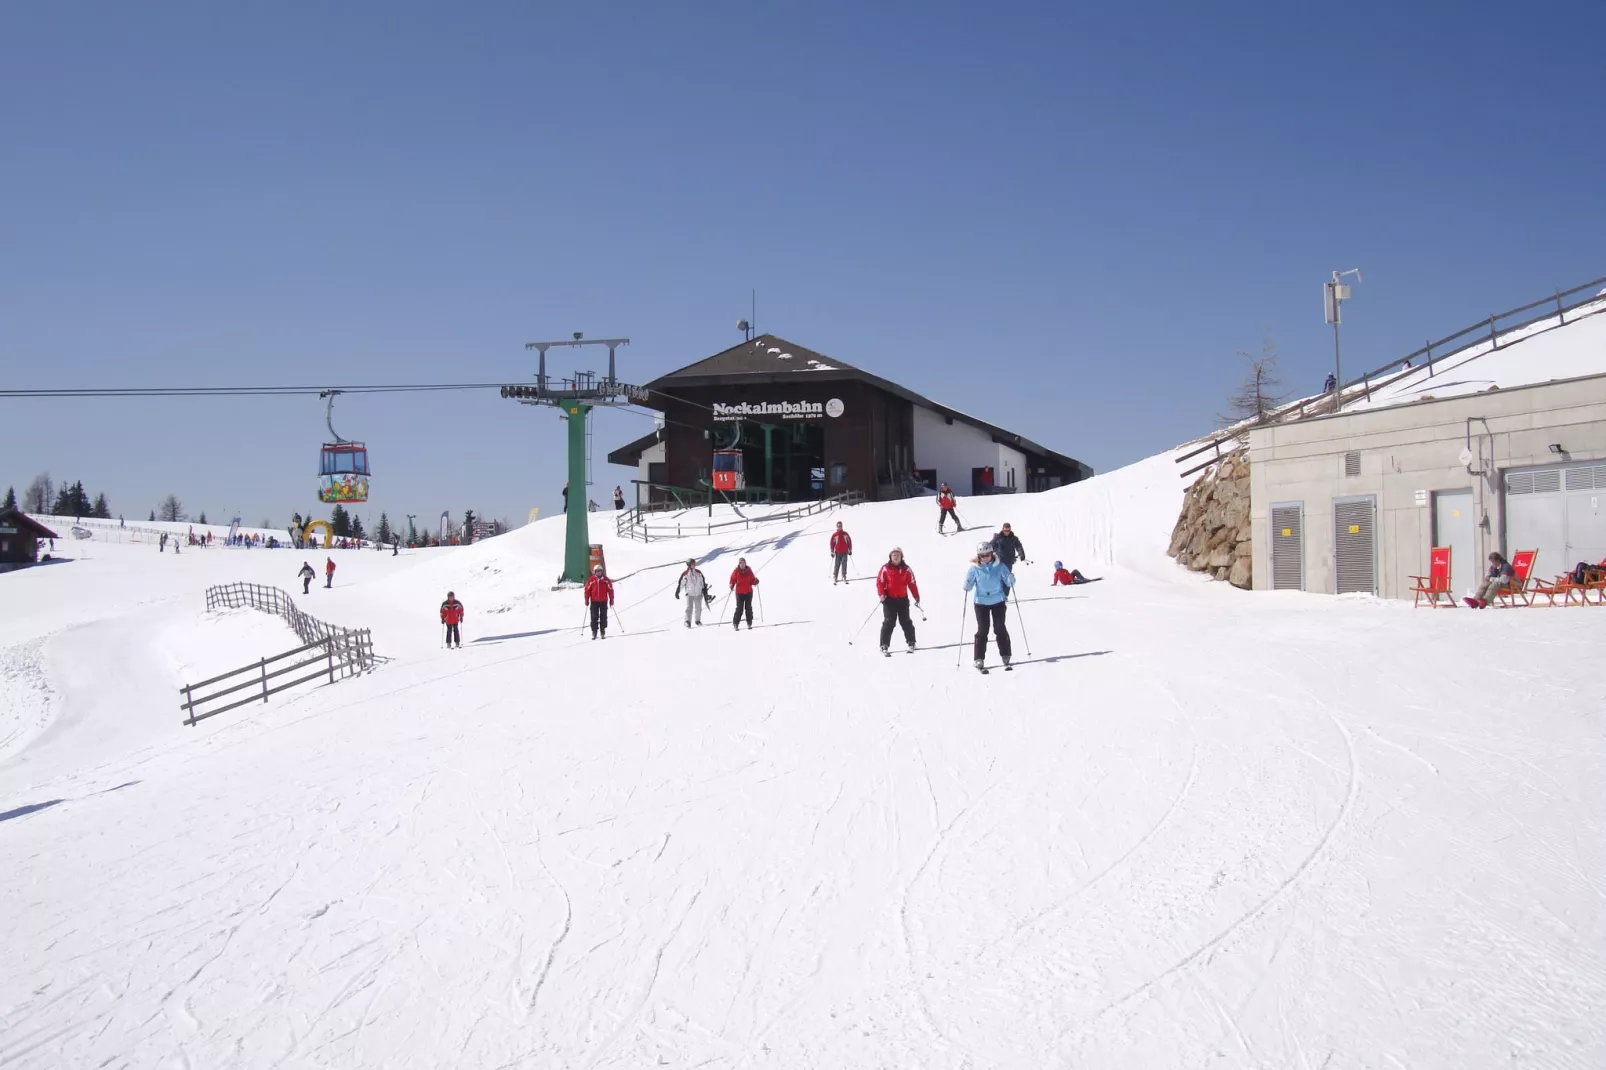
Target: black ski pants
453, 635
942, 518
306, 584
991, 616
896, 611
599, 618
839, 567
744, 604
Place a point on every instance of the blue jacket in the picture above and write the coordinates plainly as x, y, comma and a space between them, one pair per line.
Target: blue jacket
991, 582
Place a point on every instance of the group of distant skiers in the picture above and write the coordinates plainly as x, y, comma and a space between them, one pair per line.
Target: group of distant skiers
989, 581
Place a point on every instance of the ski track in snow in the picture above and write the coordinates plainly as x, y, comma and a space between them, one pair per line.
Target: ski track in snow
1199, 828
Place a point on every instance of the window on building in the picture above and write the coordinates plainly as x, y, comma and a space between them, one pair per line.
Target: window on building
839, 473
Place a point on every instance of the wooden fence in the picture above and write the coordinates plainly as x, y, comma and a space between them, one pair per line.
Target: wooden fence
633, 525
1485, 332
327, 652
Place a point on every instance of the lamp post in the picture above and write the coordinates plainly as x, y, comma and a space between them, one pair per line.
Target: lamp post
1334, 294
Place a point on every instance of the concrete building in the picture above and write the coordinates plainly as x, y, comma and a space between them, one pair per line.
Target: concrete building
1354, 501
810, 426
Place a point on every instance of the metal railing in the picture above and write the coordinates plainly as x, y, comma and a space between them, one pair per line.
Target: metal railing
340, 652
1485, 332
631, 526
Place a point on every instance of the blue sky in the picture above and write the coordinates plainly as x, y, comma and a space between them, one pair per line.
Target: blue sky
1064, 219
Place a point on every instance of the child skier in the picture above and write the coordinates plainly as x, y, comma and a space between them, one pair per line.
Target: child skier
991, 579
841, 550
307, 576
945, 502
599, 596
452, 616
1068, 579
895, 584
742, 581
695, 584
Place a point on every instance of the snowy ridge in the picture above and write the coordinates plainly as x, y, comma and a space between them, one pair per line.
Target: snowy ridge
1195, 827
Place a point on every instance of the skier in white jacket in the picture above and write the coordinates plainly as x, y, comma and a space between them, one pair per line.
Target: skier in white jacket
695, 584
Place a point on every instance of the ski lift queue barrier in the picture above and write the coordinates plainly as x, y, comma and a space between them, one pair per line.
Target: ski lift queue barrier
335, 651
631, 525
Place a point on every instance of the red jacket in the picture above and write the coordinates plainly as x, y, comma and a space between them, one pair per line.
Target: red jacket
1062, 576
743, 580
841, 543
452, 612
897, 581
945, 500
329, 566
599, 589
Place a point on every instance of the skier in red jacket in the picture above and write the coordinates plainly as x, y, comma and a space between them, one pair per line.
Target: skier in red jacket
1067, 577
743, 580
599, 596
895, 583
841, 550
452, 616
945, 502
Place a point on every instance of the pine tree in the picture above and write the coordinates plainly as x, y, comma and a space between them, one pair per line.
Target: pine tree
171, 509
202, 518
384, 534
10, 500
339, 522
153, 515
356, 528
103, 508
62, 506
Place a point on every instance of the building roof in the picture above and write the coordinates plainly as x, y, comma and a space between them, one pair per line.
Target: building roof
630, 453
772, 359
26, 524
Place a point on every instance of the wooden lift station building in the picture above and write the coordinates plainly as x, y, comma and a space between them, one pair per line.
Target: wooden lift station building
769, 416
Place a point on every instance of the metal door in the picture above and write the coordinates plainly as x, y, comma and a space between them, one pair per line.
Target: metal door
1536, 517
1453, 527
1288, 546
1586, 519
1355, 544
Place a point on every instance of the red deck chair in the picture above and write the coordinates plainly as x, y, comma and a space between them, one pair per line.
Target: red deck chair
1521, 590
1436, 582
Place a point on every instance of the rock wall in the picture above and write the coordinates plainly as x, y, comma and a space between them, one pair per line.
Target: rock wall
1212, 534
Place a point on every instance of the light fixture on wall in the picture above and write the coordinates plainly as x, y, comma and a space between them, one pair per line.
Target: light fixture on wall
1555, 447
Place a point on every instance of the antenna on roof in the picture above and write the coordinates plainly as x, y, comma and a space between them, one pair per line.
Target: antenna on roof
752, 313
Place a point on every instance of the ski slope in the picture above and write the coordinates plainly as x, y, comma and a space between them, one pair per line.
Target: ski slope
1196, 826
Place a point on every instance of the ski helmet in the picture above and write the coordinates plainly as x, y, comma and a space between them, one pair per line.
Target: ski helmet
597, 569
984, 548
691, 562
1058, 566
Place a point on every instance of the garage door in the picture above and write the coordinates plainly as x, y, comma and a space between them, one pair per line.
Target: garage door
1355, 545
1557, 510
1288, 547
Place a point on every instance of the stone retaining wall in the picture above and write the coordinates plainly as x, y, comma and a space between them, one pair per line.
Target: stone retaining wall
1212, 534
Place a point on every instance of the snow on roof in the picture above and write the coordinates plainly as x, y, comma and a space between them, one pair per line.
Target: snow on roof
1549, 350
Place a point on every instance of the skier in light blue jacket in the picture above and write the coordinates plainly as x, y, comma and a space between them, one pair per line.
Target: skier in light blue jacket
991, 579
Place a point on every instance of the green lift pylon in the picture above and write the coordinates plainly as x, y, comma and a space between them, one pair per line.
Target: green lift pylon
576, 398
577, 525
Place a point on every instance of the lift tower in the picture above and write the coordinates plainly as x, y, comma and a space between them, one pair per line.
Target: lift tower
575, 398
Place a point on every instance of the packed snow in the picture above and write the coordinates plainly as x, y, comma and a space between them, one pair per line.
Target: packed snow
1195, 826
1541, 352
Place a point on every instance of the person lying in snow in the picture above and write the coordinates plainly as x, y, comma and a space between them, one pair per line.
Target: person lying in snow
1061, 576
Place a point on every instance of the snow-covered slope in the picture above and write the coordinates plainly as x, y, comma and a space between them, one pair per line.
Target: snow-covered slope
1195, 827
1539, 353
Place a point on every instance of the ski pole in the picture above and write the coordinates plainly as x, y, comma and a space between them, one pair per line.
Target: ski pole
920, 611
618, 618
860, 628
1019, 617
760, 594
959, 652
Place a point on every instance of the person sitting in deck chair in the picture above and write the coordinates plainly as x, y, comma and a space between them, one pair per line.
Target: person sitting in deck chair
1501, 578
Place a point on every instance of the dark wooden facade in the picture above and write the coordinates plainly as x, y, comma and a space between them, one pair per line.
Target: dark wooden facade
20, 535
